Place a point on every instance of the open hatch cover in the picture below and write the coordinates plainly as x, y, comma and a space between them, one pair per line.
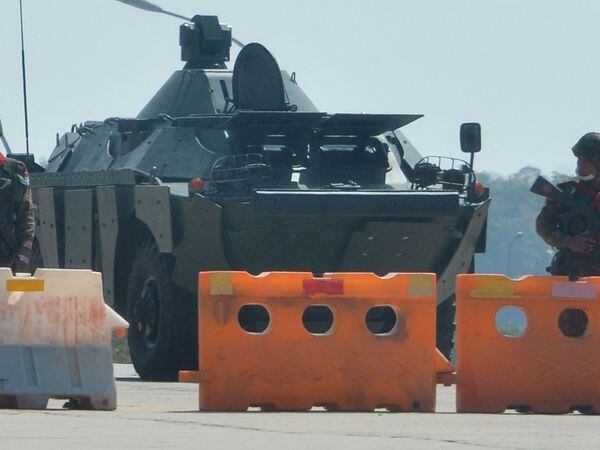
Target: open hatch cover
257, 82
279, 122
320, 123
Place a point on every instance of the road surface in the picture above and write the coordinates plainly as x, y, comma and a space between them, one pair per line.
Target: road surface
165, 415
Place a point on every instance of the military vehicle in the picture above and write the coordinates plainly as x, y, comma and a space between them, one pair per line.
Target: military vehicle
238, 170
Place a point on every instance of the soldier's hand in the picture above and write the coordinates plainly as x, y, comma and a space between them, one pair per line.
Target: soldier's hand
21, 262
581, 243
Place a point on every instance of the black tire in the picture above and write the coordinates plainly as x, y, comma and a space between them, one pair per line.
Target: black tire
445, 325
163, 321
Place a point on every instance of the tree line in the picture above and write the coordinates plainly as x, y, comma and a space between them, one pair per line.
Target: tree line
513, 246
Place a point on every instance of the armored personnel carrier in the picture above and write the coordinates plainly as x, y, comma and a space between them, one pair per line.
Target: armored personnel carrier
238, 170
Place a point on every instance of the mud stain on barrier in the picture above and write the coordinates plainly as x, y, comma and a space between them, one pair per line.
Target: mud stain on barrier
400, 331
97, 314
51, 311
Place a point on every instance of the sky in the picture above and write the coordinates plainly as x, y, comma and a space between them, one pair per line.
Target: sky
528, 71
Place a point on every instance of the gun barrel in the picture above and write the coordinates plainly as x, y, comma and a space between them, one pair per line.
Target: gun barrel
543, 187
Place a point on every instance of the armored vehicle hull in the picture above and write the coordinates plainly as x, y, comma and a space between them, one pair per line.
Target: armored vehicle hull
259, 182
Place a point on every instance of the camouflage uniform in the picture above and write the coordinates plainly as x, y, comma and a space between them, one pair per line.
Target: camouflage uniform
556, 233
16, 219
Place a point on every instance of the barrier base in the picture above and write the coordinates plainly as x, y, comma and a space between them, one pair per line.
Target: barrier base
549, 407
101, 403
31, 375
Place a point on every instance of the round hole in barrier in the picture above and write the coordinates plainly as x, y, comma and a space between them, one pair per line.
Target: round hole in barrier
573, 322
318, 319
381, 320
254, 318
511, 321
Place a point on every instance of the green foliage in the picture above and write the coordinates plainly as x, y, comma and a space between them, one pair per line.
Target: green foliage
120, 350
514, 209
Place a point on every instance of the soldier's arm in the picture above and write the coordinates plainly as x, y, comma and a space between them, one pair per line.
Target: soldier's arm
547, 225
24, 222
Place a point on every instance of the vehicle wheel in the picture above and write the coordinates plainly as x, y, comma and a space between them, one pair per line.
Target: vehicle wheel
446, 326
162, 324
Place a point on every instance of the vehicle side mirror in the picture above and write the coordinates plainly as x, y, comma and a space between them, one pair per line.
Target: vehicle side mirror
470, 137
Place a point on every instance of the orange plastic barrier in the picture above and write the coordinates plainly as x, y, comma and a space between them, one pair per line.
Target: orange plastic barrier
348, 367
553, 367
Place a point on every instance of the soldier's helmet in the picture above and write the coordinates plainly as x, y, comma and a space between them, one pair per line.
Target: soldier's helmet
588, 146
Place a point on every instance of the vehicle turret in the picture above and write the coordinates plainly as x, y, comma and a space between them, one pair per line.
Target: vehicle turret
205, 43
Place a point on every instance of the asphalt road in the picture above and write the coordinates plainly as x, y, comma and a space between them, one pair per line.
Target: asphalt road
165, 415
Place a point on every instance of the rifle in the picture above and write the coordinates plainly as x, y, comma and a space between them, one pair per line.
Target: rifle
573, 262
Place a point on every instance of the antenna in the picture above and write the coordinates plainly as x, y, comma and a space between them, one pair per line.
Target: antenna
24, 79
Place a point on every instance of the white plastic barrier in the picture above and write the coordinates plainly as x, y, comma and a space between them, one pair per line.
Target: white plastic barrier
55, 340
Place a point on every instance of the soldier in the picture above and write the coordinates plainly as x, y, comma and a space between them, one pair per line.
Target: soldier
16, 219
576, 256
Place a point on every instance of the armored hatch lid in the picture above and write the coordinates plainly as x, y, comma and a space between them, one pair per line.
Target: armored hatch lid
365, 124
273, 122
321, 123
257, 82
